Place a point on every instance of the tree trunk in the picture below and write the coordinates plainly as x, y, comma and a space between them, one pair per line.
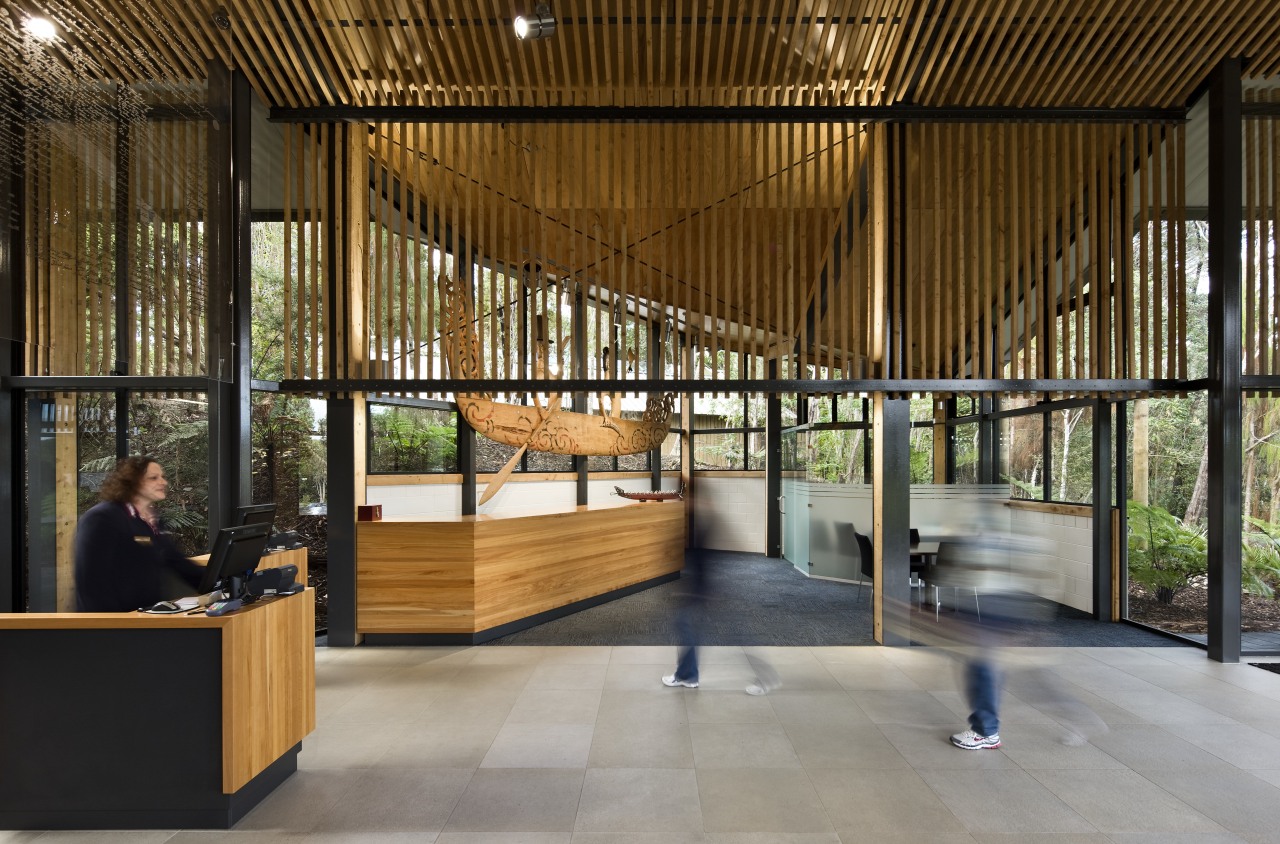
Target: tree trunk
1141, 452
1250, 459
1199, 493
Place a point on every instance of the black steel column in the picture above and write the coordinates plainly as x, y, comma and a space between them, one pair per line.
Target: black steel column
892, 520
1225, 354
12, 333
773, 470
230, 153
988, 442
466, 440
1102, 487
580, 398
340, 453
949, 443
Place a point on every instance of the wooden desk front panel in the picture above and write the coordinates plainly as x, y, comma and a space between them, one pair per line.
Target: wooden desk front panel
473, 574
532, 565
268, 685
415, 577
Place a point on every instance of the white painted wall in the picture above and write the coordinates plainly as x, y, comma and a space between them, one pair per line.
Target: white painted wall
515, 498
732, 509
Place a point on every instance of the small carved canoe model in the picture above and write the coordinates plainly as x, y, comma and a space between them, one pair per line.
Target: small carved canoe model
540, 428
667, 495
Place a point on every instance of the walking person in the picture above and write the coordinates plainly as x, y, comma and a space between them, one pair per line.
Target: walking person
692, 615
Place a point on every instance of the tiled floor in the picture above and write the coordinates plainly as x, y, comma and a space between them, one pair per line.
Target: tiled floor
516, 745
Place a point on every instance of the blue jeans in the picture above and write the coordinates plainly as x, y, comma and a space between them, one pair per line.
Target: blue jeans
687, 623
982, 686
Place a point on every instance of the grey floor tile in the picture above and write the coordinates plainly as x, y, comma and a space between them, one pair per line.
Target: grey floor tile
735, 707
930, 748
772, 838
620, 745
568, 675
919, 708
1148, 747
1236, 799
540, 745
1180, 838
555, 706
742, 746
437, 745
861, 747
299, 801
504, 838
835, 710
1003, 801
1042, 838
760, 800
346, 745
875, 678
878, 802
405, 800
1159, 706
1123, 801
1239, 744
628, 799
508, 655
638, 676
518, 800
644, 655
1041, 746
639, 838
581, 655
641, 708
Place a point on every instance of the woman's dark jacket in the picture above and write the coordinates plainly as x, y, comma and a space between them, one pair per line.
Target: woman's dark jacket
123, 565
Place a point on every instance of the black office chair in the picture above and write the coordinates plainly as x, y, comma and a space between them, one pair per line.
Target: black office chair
867, 561
919, 565
954, 570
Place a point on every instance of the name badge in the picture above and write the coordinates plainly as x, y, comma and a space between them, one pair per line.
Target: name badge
142, 540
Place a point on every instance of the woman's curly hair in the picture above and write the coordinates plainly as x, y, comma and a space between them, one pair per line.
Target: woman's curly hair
123, 482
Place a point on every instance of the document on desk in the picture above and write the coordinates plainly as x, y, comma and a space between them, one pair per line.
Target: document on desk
188, 603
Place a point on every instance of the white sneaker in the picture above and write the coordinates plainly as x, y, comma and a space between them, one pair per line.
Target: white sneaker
753, 689
969, 740
670, 680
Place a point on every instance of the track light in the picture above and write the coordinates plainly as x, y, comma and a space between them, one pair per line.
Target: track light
42, 29
541, 25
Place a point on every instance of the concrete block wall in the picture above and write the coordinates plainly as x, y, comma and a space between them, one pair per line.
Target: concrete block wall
1068, 557
733, 511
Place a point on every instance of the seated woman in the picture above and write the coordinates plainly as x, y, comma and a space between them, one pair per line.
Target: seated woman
124, 560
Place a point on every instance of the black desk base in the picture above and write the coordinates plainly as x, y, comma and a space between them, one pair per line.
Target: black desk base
118, 729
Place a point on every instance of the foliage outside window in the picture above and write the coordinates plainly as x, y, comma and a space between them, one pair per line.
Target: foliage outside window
1022, 457
1072, 443
412, 440
966, 452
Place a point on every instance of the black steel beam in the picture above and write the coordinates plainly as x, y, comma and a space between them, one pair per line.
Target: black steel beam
714, 114
1226, 350
988, 441
1122, 503
896, 386
1102, 486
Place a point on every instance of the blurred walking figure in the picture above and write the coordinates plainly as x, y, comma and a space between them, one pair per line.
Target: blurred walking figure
692, 615
996, 580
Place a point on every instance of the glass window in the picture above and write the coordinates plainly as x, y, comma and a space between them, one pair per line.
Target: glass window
1021, 455
921, 455
718, 451
1072, 455
412, 439
966, 453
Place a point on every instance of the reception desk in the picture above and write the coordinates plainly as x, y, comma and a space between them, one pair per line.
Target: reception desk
133, 721
473, 578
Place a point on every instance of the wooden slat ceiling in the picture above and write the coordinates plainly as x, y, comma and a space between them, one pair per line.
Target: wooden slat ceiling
1021, 53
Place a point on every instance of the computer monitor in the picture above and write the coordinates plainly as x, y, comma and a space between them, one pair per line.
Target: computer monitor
236, 551
255, 514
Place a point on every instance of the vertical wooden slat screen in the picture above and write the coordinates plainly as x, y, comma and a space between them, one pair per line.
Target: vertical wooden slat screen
1057, 282
72, 223
1261, 279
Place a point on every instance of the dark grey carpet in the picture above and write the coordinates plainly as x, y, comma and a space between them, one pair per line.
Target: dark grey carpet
758, 600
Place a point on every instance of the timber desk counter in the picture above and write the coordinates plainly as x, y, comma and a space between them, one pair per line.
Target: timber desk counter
473, 578
136, 721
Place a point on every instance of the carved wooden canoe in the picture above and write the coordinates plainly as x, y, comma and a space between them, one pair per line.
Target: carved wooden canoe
666, 495
567, 432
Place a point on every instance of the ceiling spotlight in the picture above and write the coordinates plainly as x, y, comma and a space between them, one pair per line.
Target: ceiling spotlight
541, 25
221, 19
42, 29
